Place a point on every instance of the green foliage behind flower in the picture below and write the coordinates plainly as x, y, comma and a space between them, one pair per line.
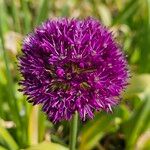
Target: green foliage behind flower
25, 127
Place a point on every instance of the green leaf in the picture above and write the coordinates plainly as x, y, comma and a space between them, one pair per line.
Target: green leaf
27, 16
143, 142
105, 14
15, 16
139, 119
10, 82
138, 85
146, 145
137, 122
100, 125
43, 11
42, 124
144, 43
3, 79
47, 146
128, 11
4, 134
2, 148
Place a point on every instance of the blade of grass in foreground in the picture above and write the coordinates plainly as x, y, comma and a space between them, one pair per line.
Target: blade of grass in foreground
12, 102
2, 148
4, 134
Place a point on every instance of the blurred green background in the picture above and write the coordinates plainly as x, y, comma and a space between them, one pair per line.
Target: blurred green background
25, 127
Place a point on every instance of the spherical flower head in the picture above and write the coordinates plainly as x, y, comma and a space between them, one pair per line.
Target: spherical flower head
71, 65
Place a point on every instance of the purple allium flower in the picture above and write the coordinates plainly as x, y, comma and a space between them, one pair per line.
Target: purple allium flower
72, 65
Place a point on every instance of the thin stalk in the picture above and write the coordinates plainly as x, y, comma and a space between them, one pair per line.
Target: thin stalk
73, 131
33, 132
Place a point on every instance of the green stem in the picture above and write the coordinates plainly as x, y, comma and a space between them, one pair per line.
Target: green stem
73, 131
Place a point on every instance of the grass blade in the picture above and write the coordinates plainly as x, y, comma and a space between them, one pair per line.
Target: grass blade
15, 17
43, 11
4, 134
2, 148
27, 16
41, 128
137, 123
128, 10
12, 102
94, 130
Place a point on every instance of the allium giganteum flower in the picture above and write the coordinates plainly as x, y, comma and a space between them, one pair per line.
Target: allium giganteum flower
72, 65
